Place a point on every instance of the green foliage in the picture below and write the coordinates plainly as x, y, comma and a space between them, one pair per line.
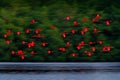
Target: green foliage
16, 15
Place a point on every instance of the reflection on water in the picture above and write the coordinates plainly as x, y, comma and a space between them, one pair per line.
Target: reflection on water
84, 71
98, 75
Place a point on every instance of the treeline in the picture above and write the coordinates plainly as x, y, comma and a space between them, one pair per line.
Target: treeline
44, 22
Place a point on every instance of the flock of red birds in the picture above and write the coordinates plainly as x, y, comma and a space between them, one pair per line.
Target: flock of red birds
64, 35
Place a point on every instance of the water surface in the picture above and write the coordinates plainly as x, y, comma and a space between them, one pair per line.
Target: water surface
87, 71
61, 76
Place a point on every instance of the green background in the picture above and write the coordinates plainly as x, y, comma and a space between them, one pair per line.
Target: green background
16, 15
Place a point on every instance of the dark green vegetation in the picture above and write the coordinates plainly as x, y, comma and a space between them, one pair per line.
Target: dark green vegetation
16, 15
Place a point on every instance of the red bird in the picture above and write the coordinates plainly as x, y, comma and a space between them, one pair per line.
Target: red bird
91, 43
22, 57
33, 21
82, 43
96, 30
8, 41
100, 42
78, 47
75, 23
73, 31
93, 49
107, 22
67, 18
12, 52
20, 52
37, 36
88, 53
31, 44
62, 49
9, 32
44, 44
82, 32
32, 52
68, 44
97, 16
106, 49
94, 20
18, 33
73, 54
85, 29
64, 35
37, 31
5, 35
109, 48
49, 51
27, 31
24, 42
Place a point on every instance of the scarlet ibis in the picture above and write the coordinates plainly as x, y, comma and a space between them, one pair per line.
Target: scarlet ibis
7, 41
64, 35
68, 44
24, 42
106, 49
20, 52
107, 22
33, 21
49, 51
85, 29
18, 33
88, 53
32, 52
82, 43
37, 36
9, 32
5, 35
31, 44
82, 32
44, 44
93, 49
73, 31
94, 20
37, 31
62, 49
97, 16
78, 47
100, 42
12, 52
109, 48
73, 54
75, 23
91, 43
96, 30
22, 57
27, 31
67, 18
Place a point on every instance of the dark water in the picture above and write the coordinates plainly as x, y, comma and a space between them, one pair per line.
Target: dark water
88, 71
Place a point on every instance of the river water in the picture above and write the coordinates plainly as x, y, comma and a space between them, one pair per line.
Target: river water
61, 76
96, 74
